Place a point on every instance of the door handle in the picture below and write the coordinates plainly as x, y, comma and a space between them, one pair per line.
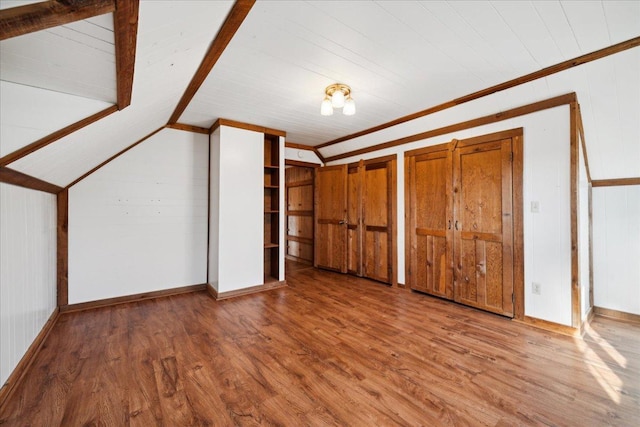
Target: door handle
449, 224
342, 222
456, 225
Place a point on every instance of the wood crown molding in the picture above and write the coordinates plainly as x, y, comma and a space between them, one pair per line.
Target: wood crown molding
236, 16
43, 142
298, 163
115, 156
492, 118
125, 23
615, 182
305, 147
562, 66
20, 179
20, 20
246, 126
21, 368
188, 128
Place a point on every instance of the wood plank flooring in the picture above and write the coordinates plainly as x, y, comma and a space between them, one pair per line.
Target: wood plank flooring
328, 350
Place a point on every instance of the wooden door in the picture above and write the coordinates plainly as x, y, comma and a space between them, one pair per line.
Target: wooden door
483, 228
354, 213
428, 175
330, 218
377, 181
299, 197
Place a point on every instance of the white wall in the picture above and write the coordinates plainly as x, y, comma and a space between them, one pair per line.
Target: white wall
547, 234
302, 155
28, 113
240, 204
616, 248
584, 263
139, 224
27, 270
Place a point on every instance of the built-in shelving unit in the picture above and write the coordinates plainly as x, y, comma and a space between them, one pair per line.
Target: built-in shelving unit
271, 207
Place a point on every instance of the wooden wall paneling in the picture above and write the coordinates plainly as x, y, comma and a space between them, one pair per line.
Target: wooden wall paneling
299, 211
574, 176
42, 142
63, 248
330, 209
547, 71
20, 20
480, 121
238, 13
125, 31
20, 179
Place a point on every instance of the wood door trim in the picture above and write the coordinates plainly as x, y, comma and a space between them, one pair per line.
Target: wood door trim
234, 19
492, 118
289, 162
62, 246
547, 71
14, 177
574, 178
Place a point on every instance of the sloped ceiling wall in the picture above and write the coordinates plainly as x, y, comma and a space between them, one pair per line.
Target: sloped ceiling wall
399, 58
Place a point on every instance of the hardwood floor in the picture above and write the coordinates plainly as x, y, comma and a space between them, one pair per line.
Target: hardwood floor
328, 350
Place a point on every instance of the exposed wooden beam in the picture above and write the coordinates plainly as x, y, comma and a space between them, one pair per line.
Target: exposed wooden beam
615, 182
42, 142
113, 157
583, 143
125, 23
20, 179
189, 128
492, 118
565, 65
247, 126
20, 20
236, 16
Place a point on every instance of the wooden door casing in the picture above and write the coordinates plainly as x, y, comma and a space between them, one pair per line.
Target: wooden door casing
429, 204
330, 218
483, 214
354, 213
299, 213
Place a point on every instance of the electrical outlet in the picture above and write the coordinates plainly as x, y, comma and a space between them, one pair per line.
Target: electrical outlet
535, 206
535, 288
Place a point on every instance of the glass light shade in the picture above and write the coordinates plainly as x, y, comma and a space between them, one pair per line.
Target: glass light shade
337, 99
349, 107
325, 108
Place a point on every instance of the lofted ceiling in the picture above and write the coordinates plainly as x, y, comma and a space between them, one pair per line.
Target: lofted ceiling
399, 57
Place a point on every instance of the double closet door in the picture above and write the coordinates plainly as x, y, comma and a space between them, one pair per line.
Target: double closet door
355, 216
459, 199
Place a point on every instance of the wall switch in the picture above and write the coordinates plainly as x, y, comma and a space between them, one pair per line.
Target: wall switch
535, 206
535, 288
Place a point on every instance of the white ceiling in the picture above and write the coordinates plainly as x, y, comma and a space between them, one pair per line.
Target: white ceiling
398, 56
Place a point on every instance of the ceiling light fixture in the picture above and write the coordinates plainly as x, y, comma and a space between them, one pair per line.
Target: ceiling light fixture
338, 96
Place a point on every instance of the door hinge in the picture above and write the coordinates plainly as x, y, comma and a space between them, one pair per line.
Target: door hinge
511, 156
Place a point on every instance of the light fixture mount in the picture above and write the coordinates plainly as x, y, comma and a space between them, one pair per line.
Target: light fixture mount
338, 95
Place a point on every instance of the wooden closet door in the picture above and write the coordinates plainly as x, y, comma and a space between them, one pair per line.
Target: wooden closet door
330, 214
429, 184
377, 180
354, 212
483, 228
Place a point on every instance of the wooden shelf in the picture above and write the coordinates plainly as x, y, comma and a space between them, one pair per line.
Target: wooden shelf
274, 187
271, 211
270, 245
271, 167
271, 205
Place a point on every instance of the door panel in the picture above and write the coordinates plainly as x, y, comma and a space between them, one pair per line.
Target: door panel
354, 245
300, 198
377, 221
330, 213
483, 256
429, 186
